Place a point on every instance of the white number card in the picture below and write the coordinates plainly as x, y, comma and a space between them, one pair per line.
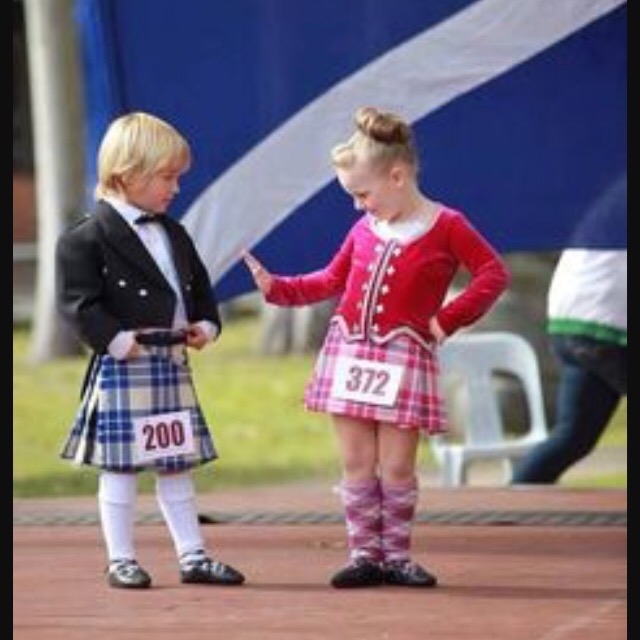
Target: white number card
162, 435
367, 381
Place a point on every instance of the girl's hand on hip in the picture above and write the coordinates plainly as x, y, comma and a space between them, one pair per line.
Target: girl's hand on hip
436, 331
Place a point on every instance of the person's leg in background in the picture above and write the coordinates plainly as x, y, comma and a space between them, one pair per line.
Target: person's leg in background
585, 403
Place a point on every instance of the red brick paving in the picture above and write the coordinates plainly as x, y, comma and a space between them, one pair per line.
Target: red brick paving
497, 582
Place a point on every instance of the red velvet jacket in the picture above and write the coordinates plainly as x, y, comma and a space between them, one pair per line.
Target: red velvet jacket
391, 287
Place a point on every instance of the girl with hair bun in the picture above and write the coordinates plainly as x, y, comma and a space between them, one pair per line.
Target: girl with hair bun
377, 372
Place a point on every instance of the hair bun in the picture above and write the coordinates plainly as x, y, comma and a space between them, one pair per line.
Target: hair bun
382, 126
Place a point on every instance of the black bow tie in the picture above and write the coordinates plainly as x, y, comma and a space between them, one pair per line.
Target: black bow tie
148, 218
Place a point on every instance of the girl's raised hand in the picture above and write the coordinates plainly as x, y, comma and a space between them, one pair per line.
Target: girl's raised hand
261, 276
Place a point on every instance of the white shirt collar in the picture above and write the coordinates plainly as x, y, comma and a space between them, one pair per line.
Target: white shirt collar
128, 211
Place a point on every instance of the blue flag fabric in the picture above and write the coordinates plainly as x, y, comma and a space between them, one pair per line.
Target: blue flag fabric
519, 110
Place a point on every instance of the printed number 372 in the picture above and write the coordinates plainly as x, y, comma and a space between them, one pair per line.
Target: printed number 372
366, 380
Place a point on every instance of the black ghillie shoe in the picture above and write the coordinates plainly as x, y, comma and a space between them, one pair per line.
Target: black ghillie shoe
206, 571
127, 574
408, 574
361, 573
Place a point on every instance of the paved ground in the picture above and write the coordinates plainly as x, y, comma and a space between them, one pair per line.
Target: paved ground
514, 564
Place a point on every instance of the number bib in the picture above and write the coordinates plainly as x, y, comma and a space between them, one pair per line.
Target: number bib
162, 435
366, 381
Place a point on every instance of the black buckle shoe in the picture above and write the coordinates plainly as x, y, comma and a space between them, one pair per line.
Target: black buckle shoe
361, 573
408, 574
127, 574
207, 571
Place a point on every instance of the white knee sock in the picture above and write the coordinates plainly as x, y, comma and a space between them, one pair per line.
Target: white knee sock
117, 501
176, 497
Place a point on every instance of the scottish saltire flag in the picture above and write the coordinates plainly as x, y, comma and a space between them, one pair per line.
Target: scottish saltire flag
519, 107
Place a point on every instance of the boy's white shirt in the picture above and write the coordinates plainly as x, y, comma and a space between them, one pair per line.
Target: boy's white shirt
154, 238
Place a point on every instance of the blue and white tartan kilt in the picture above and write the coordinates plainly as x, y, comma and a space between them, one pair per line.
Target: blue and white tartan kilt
119, 391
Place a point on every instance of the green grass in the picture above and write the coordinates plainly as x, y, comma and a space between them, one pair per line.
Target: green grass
601, 481
253, 404
615, 437
616, 433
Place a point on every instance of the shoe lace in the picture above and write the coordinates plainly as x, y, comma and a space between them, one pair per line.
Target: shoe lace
212, 566
126, 567
362, 561
204, 564
406, 567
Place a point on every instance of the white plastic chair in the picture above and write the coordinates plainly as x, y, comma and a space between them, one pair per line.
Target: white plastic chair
475, 359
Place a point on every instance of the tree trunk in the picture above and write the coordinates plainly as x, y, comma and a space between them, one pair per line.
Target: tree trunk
58, 153
294, 329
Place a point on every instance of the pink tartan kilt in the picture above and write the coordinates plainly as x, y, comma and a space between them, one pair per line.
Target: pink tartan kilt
419, 403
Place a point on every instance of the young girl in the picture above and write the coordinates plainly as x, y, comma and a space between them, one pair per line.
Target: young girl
377, 371
131, 283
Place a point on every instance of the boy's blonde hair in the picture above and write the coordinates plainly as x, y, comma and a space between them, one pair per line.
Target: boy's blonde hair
138, 144
381, 138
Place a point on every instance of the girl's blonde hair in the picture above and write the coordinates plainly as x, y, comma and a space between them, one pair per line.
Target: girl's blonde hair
138, 144
381, 138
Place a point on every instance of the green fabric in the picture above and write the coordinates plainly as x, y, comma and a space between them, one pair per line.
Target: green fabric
565, 326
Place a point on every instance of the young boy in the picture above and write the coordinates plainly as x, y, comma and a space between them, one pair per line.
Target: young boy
131, 283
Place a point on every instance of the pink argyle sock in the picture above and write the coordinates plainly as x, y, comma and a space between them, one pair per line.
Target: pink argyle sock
398, 510
363, 519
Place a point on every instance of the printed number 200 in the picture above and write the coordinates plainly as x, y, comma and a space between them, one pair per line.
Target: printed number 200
162, 435
366, 380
